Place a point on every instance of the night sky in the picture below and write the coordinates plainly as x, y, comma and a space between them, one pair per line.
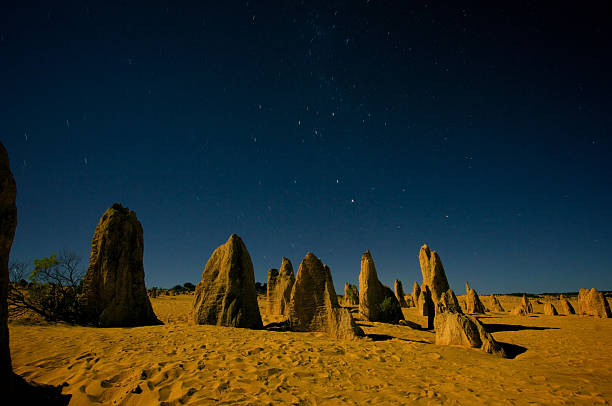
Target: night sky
329, 127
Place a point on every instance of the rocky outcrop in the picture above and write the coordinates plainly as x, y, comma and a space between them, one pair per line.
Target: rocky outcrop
279, 288
408, 299
519, 311
550, 310
424, 303
526, 304
226, 295
114, 293
351, 295
377, 302
448, 303
494, 304
460, 329
593, 303
8, 223
399, 293
416, 291
566, 306
473, 304
524, 309
314, 305
433, 273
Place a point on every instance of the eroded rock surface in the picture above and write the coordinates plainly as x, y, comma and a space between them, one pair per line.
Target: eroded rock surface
377, 302
593, 303
494, 304
472, 301
566, 306
8, 223
279, 288
314, 303
351, 295
416, 291
433, 273
114, 293
524, 309
226, 295
550, 310
399, 293
463, 330
448, 303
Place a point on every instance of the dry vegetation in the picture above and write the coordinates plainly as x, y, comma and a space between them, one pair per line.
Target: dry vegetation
557, 360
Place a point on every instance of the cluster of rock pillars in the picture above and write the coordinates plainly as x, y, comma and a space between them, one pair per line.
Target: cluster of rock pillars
114, 292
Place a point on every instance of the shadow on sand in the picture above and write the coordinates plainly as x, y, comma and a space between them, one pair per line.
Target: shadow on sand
32, 393
512, 350
385, 337
280, 326
494, 328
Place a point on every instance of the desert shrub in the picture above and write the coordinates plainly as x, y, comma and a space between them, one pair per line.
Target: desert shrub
353, 290
389, 308
176, 289
55, 284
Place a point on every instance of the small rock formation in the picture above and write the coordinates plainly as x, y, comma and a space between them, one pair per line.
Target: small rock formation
8, 223
351, 295
114, 293
314, 304
519, 311
593, 303
377, 302
473, 304
448, 303
399, 293
526, 304
279, 288
424, 302
550, 310
408, 299
466, 331
524, 309
566, 306
226, 296
433, 273
416, 291
494, 304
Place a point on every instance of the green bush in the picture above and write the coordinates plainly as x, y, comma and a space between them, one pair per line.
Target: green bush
53, 291
389, 309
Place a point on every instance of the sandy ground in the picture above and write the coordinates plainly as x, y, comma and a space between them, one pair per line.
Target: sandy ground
558, 360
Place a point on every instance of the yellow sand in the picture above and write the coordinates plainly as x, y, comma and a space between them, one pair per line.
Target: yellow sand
568, 360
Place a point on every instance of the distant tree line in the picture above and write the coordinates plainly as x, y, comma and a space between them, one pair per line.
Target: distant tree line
186, 288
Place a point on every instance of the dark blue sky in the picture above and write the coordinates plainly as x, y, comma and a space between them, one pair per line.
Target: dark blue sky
329, 127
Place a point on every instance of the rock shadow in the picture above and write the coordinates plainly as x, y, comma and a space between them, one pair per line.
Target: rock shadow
278, 326
385, 337
512, 350
494, 328
412, 325
32, 393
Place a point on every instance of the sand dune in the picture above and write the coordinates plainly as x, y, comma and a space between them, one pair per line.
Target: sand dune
558, 360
